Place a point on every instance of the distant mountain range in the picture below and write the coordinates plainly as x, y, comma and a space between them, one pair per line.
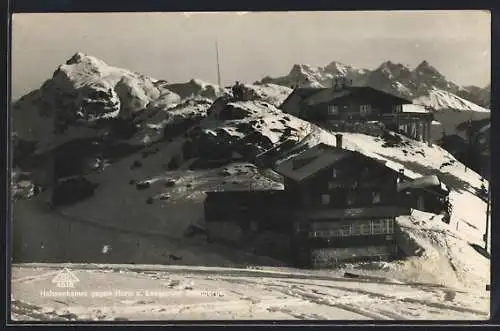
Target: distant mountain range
424, 84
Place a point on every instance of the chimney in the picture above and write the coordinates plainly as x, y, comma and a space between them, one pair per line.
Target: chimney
338, 138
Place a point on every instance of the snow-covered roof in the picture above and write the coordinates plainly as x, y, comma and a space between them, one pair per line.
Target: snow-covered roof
309, 94
414, 108
422, 182
352, 90
311, 161
485, 128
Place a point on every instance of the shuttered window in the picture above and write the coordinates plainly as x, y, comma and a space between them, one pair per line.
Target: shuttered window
333, 110
365, 109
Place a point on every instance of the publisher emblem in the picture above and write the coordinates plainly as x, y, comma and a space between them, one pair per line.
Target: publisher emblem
65, 279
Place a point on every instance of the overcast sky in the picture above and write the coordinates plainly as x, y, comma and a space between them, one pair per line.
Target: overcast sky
180, 46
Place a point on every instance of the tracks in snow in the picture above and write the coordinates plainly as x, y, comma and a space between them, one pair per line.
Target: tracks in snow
354, 299
300, 296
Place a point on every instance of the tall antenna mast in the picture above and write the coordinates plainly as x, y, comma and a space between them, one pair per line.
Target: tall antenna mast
218, 65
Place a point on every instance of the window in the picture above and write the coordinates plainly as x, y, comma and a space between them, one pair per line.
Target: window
397, 109
333, 185
375, 197
364, 229
334, 173
333, 110
325, 199
365, 109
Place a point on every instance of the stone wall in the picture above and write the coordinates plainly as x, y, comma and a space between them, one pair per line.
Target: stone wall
331, 257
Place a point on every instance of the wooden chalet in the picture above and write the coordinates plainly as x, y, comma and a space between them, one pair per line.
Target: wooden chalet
426, 193
344, 104
250, 218
337, 205
345, 205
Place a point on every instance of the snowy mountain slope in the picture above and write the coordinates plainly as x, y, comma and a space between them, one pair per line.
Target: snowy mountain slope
151, 128
448, 253
116, 200
261, 117
424, 84
440, 99
478, 95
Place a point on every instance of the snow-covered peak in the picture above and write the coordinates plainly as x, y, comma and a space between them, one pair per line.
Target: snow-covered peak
81, 57
426, 73
426, 67
303, 68
338, 67
393, 70
82, 91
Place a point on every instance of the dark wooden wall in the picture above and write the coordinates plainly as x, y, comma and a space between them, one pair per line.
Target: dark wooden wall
356, 178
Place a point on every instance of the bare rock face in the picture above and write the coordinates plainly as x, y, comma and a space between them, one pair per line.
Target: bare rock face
135, 97
83, 86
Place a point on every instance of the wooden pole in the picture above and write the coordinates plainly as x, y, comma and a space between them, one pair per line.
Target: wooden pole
218, 64
487, 218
